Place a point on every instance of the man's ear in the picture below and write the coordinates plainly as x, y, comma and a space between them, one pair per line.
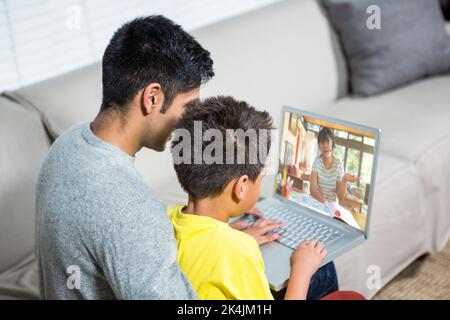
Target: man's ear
152, 98
240, 187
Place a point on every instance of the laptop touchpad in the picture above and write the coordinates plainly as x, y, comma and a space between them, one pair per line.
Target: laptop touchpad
277, 263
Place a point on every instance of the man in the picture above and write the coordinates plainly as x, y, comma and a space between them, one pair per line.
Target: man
102, 233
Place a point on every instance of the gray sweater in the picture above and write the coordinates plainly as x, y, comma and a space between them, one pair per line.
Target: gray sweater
101, 232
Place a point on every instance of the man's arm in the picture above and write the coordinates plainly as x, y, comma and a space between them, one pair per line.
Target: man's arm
139, 256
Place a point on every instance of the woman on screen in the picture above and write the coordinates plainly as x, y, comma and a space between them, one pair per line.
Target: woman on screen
328, 180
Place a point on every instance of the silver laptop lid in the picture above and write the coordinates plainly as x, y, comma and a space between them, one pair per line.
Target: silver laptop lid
315, 175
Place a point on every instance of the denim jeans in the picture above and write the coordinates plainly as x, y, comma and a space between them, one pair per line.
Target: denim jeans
323, 282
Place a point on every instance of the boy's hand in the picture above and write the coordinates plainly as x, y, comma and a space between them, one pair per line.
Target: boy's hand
241, 225
255, 212
307, 258
304, 263
261, 230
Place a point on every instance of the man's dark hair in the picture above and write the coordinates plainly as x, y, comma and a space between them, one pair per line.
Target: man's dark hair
222, 113
325, 134
148, 50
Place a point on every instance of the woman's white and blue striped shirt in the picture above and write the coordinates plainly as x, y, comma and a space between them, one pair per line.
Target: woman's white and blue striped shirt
327, 178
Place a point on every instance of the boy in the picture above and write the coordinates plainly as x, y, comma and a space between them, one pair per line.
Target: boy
221, 262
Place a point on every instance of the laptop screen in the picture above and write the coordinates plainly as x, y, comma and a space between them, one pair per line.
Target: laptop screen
327, 166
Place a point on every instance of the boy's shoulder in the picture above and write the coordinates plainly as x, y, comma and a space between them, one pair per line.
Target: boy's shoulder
219, 233
237, 240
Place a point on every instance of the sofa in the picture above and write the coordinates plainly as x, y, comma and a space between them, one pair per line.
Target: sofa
284, 54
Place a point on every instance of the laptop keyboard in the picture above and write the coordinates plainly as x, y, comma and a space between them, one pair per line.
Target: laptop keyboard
299, 228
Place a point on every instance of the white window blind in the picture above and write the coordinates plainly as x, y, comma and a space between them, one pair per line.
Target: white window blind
43, 38
8, 67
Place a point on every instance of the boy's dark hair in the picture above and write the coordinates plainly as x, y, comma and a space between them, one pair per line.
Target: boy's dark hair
222, 113
326, 134
152, 49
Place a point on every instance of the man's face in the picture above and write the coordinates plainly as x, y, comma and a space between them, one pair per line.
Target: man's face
163, 124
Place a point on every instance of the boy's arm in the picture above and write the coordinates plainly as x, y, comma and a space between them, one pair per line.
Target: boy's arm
304, 263
298, 285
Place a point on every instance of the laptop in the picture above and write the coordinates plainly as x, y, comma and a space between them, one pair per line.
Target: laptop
340, 223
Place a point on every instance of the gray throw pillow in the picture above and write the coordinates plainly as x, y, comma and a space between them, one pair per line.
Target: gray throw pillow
391, 43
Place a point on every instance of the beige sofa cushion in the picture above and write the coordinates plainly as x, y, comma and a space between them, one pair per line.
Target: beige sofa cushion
299, 63
412, 118
65, 100
23, 146
286, 53
21, 281
415, 129
400, 229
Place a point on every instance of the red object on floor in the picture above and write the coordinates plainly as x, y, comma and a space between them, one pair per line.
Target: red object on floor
344, 295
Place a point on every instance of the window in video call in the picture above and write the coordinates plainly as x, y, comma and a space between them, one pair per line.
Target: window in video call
326, 167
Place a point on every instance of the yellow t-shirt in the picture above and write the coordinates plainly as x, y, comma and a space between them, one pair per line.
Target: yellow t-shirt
219, 261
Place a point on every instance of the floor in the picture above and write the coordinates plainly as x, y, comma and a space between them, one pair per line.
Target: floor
426, 278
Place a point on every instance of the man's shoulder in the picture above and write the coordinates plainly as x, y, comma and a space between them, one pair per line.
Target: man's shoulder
68, 136
65, 148
95, 183
73, 160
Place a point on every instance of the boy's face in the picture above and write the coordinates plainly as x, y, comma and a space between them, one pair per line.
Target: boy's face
249, 196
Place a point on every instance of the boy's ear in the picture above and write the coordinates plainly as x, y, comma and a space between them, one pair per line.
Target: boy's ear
152, 98
240, 186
